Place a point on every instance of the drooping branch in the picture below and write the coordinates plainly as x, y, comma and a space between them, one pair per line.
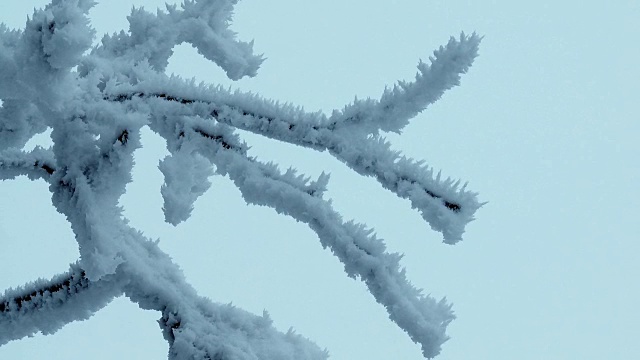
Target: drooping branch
363, 255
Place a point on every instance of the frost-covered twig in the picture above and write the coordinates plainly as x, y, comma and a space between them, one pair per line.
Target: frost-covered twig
38, 163
19, 121
445, 205
97, 102
45, 306
406, 99
362, 254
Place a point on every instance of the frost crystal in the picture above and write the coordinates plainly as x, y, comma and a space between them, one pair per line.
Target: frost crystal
96, 100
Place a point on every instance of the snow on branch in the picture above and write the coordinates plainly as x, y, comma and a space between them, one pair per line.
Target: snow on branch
19, 121
362, 254
97, 99
400, 104
45, 306
39, 163
203, 24
444, 204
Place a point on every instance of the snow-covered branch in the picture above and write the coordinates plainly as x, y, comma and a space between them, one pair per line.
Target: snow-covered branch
97, 99
19, 121
444, 204
362, 254
203, 24
406, 99
47, 305
36, 164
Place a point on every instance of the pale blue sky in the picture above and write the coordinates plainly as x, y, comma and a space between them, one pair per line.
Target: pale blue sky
544, 127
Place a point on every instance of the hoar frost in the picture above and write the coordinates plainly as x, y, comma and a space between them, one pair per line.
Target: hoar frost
97, 99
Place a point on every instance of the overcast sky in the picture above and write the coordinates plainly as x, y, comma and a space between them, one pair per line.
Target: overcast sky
545, 127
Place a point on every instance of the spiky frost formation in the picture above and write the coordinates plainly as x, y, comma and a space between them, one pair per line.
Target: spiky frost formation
96, 100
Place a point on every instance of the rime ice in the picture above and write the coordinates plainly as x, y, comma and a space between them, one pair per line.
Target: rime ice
97, 99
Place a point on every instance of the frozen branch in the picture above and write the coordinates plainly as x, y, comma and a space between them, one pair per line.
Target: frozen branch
402, 103
97, 99
195, 327
35, 164
45, 306
203, 24
445, 205
362, 254
19, 122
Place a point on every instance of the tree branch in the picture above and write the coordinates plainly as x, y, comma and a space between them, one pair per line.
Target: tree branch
363, 255
36, 164
46, 306
445, 205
